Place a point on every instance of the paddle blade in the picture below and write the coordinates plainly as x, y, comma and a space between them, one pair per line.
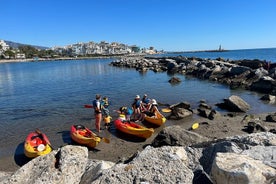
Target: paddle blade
195, 126
106, 140
166, 110
88, 106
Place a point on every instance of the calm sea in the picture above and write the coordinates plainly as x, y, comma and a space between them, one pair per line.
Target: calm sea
268, 54
50, 95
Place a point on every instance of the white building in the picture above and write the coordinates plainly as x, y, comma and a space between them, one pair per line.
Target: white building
20, 56
3, 47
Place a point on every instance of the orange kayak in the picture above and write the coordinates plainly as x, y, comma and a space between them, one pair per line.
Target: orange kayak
82, 135
36, 144
159, 119
132, 128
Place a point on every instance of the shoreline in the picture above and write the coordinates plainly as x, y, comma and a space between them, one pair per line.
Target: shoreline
221, 127
44, 59
66, 58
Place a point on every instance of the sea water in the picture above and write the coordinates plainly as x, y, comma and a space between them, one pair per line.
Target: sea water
51, 95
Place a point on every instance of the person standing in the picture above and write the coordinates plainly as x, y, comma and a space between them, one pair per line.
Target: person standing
97, 112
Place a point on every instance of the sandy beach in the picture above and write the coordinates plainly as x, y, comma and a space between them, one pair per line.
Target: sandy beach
122, 147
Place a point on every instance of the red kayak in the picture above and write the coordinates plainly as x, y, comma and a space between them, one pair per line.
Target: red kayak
132, 128
36, 144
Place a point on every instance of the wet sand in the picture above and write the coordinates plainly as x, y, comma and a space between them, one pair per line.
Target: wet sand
122, 147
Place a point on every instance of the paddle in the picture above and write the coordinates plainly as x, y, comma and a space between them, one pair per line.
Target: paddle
88, 106
166, 110
196, 125
46, 140
106, 140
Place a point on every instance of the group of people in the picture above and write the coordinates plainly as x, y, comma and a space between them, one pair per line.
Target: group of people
142, 107
137, 112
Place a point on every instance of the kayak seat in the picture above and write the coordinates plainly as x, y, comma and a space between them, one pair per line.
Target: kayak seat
79, 127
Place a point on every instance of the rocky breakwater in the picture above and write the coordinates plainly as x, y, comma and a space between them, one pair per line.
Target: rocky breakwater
255, 75
181, 157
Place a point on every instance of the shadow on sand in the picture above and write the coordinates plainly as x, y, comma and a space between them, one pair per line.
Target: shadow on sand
19, 156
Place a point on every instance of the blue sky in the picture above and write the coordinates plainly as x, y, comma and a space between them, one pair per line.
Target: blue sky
171, 25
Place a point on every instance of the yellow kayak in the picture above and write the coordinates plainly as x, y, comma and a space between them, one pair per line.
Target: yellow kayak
36, 144
159, 119
84, 136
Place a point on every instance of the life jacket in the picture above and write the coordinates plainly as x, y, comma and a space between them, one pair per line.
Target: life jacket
104, 103
96, 107
122, 117
152, 109
136, 104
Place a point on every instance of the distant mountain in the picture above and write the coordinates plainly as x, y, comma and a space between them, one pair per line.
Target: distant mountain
16, 45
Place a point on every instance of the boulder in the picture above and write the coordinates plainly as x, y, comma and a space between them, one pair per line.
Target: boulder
265, 85
272, 73
94, 169
66, 165
271, 117
269, 98
263, 153
184, 105
238, 70
235, 104
238, 168
177, 136
260, 72
203, 112
200, 176
254, 64
180, 113
4, 176
175, 80
152, 165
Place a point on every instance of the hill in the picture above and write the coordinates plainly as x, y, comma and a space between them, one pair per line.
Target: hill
16, 45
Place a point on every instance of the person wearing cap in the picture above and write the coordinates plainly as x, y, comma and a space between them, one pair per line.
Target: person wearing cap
97, 112
145, 102
136, 106
153, 109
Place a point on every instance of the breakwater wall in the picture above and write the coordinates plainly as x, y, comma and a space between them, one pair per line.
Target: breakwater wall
255, 75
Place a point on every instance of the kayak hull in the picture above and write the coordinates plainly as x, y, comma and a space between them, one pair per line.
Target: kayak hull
133, 129
84, 136
34, 142
159, 119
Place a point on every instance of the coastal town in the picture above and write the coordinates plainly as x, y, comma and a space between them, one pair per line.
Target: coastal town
15, 51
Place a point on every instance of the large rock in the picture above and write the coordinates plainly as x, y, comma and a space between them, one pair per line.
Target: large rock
265, 85
58, 167
94, 169
190, 158
175, 80
152, 165
235, 104
177, 136
271, 117
266, 154
238, 70
261, 139
269, 98
233, 168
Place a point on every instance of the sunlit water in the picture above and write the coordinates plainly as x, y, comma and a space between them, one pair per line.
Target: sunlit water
50, 95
